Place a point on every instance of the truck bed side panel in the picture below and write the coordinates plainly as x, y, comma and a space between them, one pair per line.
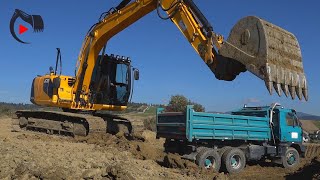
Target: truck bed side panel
211, 126
225, 126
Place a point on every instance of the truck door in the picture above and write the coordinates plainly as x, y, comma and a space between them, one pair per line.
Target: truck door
290, 127
276, 124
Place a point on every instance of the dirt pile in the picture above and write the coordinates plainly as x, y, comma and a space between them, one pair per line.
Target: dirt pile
143, 148
312, 150
148, 148
175, 161
29, 155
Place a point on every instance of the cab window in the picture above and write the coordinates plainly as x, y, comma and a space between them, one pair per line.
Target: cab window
290, 119
275, 118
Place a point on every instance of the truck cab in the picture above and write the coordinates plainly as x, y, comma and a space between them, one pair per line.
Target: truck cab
288, 129
285, 124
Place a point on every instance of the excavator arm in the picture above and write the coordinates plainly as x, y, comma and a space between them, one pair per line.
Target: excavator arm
199, 32
269, 52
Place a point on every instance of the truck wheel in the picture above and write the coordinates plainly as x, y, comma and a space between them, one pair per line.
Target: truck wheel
291, 159
224, 149
209, 158
234, 160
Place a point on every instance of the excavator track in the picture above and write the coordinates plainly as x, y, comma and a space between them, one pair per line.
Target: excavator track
63, 123
74, 124
122, 123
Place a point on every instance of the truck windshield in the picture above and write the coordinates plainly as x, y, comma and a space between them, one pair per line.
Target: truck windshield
296, 119
292, 119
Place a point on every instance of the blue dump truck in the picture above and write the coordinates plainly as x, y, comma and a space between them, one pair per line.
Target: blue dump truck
228, 141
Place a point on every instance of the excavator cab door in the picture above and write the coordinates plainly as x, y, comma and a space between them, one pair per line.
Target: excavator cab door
111, 81
120, 83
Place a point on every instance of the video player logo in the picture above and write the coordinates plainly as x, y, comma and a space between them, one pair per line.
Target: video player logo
34, 20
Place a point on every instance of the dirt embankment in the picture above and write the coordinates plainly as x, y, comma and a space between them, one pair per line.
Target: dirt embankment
29, 155
309, 126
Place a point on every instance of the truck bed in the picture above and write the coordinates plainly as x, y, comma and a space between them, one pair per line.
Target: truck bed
193, 125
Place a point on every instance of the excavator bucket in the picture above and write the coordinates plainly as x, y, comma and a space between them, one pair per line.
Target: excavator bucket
269, 52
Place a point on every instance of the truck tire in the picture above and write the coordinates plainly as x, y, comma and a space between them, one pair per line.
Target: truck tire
233, 160
209, 158
224, 149
291, 158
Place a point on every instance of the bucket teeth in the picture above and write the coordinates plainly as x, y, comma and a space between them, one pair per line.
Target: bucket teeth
299, 92
305, 89
277, 87
305, 94
269, 86
292, 91
285, 89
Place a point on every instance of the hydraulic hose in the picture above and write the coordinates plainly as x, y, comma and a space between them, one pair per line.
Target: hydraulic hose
166, 10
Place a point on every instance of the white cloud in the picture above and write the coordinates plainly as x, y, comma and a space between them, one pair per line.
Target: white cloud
2, 92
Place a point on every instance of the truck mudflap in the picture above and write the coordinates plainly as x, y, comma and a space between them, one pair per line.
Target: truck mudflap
303, 150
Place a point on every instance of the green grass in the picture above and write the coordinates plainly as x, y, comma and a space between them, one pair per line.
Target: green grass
150, 123
151, 110
317, 123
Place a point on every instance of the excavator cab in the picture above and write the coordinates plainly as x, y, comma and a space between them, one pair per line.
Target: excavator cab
111, 81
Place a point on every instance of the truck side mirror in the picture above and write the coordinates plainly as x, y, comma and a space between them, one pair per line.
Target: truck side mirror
136, 74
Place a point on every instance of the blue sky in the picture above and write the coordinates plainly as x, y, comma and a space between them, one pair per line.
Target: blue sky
168, 64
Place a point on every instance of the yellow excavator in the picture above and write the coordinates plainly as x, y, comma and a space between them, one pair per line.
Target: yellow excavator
104, 82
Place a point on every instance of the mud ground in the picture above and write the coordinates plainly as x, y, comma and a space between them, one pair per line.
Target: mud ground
31, 155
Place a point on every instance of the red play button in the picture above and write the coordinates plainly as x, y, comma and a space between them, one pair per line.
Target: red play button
22, 29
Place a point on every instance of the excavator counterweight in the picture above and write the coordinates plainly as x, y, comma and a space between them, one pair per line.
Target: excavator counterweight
269, 52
